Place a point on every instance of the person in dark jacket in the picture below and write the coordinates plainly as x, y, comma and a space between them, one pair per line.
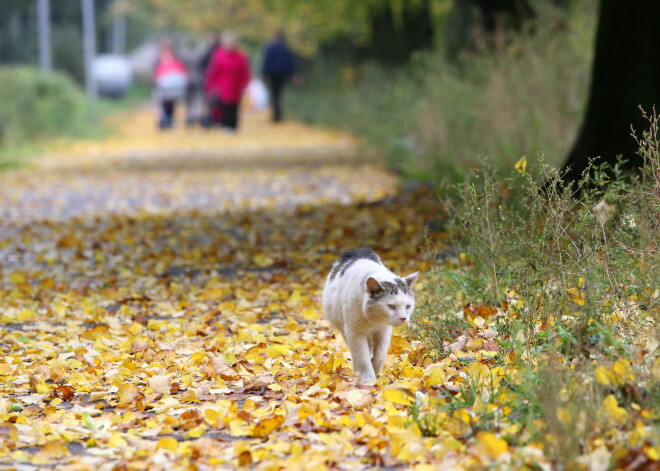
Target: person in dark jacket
278, 67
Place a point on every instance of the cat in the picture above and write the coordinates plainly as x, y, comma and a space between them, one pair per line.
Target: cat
364, 300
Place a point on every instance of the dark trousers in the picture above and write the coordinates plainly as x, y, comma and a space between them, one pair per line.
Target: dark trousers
229, 115
276, 85
167, 116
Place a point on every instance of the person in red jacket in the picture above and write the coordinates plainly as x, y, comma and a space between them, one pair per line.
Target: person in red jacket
226, 79
170, 83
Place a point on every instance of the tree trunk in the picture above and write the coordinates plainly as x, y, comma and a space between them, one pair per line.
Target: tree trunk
417, 29
396, 35
383, 35
626, 74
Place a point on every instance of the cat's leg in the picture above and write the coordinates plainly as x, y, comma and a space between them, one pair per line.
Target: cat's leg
370, 340
381, 339
358, 344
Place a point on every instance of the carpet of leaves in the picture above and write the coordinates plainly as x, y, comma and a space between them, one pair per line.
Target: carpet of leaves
161, 308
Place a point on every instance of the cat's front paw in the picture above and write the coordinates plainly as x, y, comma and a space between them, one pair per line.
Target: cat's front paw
367, 380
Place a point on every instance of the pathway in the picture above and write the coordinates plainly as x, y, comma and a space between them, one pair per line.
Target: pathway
161, 304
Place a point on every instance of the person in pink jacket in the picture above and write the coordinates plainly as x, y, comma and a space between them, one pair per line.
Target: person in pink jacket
226, 79
170, 83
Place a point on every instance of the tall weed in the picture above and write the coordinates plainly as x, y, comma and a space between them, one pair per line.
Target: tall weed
573, 271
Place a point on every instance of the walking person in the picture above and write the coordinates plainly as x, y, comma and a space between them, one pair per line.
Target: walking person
170, 84
212, 114
278, 67
191, 54
227, 77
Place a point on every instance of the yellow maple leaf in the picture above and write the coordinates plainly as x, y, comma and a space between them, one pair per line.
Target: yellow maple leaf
492, 445
621, 372
652, 452
602, 376
310, 314
478, 371
398, 396
116, 441
295, 298
474, 344
167, 443
277, 350
616, 414
26, 315
197, 432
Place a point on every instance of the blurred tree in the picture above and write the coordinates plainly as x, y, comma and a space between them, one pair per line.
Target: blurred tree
400, 28
625, 75
475, 23
18, 31
388, 30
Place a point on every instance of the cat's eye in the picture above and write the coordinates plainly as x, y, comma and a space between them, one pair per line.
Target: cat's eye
407, 306
391, 306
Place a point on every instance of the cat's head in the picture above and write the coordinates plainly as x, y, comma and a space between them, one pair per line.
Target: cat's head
391, 301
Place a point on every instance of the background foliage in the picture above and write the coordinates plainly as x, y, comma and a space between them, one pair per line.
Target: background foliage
36, 104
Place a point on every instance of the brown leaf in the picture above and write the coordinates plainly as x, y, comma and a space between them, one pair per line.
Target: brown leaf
492, 346
65, 393
54, 449
139, 346
458, 345
245, 458
165, 356
128, 395
265, 427
33, 382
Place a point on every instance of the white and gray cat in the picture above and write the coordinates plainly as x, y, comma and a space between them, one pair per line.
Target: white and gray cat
364, 301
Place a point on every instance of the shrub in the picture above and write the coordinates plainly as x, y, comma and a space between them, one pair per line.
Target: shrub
36, 105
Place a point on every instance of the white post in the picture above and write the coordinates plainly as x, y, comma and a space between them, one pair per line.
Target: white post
89, 45
43, 15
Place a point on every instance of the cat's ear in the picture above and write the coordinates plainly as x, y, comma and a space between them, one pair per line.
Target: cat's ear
373, 286
410, 279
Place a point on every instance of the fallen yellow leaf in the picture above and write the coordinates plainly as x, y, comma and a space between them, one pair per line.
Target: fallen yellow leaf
398, 396
167, 443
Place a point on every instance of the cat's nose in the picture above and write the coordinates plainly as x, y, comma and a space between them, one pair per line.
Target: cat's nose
403, 319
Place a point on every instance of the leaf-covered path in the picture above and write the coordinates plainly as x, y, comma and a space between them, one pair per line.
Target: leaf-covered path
161, 304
